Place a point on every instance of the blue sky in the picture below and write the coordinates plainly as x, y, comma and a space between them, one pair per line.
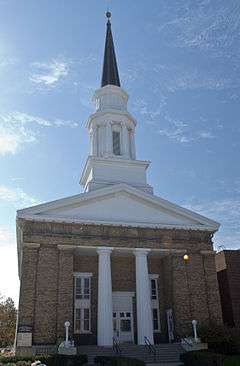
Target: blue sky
179, 61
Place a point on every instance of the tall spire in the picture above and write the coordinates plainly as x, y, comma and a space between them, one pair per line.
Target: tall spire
110, 69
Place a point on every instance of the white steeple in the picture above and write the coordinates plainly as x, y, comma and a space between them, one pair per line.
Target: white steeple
112, 159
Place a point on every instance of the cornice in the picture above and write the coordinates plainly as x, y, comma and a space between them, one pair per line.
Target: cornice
110, 113
46, 218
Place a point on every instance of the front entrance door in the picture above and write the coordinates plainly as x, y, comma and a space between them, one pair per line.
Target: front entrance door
123, 316
123, 326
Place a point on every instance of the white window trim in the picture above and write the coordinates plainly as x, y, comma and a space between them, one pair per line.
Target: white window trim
82, 274
82, 303
82, 331
159, 323
153, 276
155, 302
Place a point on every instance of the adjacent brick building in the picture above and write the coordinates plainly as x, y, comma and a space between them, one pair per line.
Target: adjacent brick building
228, 274
111, 260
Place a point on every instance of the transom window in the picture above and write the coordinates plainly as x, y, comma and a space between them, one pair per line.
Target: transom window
116, 143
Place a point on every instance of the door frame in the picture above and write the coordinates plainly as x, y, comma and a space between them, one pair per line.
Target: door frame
120, 333
123, 303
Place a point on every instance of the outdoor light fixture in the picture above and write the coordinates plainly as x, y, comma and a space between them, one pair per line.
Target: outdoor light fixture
186, 257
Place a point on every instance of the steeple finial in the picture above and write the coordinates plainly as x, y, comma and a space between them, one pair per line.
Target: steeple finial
110, 70
108, 15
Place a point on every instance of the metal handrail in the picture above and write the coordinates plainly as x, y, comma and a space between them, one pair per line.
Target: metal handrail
186, 341
116, 346
150, 347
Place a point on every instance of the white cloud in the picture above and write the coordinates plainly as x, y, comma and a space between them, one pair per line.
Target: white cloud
209, 26
206, 135
7, 61
151, 115
196, 79
182, 135
15, 130
48, 74
227, 212
17, 197
7, 237
174, 134
182, 131
11, 139
208, 30
9, 282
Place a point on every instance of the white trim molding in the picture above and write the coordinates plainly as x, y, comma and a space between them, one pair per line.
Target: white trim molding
82, 274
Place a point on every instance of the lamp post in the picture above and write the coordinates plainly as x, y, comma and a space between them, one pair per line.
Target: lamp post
194, 323
67, 325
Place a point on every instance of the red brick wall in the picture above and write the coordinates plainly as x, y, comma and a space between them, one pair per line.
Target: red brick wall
229, 282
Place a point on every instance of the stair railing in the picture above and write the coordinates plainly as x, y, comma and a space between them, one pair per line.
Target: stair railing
116, 347
186, 341
150, 348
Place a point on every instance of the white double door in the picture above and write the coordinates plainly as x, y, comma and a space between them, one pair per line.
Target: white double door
123, 316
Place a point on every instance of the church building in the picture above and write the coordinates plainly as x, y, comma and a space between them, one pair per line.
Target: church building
116, 261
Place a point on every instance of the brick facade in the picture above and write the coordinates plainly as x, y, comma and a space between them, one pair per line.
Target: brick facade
228, 273
50, 259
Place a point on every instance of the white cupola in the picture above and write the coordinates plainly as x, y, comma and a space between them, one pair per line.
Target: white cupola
111, 128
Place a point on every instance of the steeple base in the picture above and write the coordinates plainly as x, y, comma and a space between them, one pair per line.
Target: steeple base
102, 172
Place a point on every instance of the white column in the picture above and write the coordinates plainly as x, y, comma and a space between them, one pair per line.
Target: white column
94, 140
133, 148
105, 323
125, 141
144, 306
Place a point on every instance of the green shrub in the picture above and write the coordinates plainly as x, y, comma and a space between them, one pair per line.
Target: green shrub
64, 360
14, 359
221, 339
56, 360
232, 361
117, 361
202, 358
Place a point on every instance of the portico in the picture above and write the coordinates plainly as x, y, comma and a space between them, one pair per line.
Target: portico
105, 312
127, 313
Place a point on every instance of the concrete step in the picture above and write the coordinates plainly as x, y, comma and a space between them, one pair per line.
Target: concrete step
166, 354
165, 364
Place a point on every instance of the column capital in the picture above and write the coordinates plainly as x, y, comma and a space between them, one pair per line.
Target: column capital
141, 251
104, 250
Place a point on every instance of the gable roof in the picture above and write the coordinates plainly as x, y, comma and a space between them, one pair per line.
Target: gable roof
119, 204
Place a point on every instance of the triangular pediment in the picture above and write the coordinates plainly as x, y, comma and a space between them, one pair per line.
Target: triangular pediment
119, 205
